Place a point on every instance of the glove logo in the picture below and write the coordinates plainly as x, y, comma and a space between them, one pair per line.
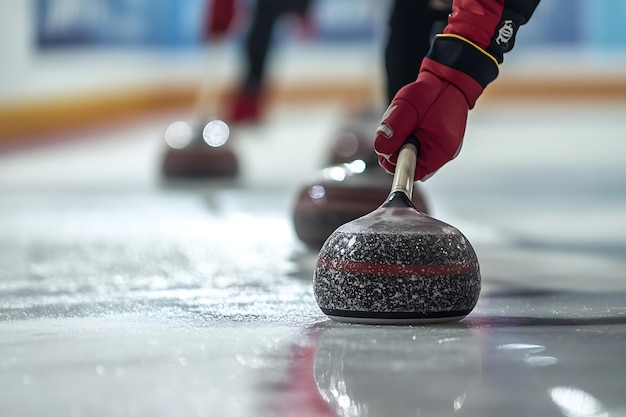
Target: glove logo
389, 110
505, 33
385, 130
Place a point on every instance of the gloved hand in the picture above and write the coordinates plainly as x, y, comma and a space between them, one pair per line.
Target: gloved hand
461, 62
435, 111
220, 15
435, 106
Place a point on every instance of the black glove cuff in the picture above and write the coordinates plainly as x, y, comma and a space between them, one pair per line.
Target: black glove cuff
458, 53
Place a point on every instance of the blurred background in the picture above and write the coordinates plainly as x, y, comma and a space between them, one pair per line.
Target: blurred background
72, 63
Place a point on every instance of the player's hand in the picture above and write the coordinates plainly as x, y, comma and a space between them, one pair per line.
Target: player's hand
460, 63
435, 111
434, 107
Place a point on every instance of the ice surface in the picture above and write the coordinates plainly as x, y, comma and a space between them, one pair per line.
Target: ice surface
120, 296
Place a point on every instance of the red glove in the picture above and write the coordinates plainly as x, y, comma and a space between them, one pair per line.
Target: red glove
459, 65
434, 108
220, 15
435, 111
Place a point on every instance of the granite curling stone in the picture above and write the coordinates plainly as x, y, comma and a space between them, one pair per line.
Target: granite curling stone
198, 151
397, 265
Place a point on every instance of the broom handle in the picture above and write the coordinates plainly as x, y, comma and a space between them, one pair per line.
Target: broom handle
405, 167
207, 98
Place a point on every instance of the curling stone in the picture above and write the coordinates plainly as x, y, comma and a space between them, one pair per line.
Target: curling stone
354, 139
397, 265
199, 150
350, 143
340, 194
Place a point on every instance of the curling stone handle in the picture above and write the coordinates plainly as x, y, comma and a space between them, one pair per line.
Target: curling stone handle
405, 167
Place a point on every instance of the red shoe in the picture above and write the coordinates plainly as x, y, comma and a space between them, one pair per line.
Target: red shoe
246, 107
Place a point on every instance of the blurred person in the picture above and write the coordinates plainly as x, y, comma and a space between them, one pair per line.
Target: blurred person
432, 81
439, 57
412, 23
188, 154
247, 103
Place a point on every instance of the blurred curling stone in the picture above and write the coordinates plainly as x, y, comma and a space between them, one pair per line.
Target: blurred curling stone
355, 138
199, 150
352, 186
342, 193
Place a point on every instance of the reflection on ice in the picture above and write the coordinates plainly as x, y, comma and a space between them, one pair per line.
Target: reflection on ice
522, 346
574, 402
540, 360
340, 172
317, 192
179, 134
384, 371
216, 133
334, 173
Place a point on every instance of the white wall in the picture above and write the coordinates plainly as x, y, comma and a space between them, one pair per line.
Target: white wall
15, 45
26, 73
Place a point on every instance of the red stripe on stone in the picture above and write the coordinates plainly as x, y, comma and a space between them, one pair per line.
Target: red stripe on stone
397, 269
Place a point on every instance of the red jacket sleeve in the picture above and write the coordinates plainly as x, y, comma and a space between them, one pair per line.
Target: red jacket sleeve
473, 44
